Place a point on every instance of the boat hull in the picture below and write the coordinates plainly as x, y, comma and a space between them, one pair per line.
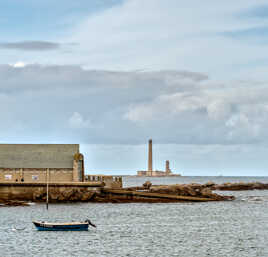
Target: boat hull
61, 227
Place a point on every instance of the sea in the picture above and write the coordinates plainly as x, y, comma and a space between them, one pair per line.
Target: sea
232, 228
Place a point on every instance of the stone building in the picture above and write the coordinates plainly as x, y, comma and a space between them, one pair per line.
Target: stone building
41, 163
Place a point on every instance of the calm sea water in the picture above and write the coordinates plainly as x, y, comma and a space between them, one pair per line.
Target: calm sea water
236, 228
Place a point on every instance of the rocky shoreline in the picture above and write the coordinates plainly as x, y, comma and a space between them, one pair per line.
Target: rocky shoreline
240, 186
8, 203
147, 193
204, 191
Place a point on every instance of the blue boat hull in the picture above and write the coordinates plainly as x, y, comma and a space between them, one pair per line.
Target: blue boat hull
76, 227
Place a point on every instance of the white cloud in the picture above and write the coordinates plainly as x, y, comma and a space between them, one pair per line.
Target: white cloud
19, 64
218, 110
139, 113
156, 35
241, 127
238, 121
77, 121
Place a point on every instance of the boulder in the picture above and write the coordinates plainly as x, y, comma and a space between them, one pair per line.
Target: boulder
53, 194
190, 190
147, 184
209, 184
68, 194
206, 192
87, 196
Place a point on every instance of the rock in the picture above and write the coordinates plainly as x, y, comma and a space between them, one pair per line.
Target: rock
195, 185
61, 198
87, 196
209, 184
37, 195
193, 190
206, 192
147, 184
79, 195
53, 194
67, 194
241, 186
13, 203
189, 191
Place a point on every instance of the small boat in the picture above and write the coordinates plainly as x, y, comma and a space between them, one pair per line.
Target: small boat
72, 226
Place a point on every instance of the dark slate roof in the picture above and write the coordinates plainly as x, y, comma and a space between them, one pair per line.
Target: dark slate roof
37, 155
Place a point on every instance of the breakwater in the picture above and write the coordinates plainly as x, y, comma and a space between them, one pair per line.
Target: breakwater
16, 193
58, 192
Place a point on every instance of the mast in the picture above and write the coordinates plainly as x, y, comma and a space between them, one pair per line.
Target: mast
150, 158
47, 186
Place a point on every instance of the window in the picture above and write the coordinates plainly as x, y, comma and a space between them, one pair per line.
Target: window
8, 177
34, 177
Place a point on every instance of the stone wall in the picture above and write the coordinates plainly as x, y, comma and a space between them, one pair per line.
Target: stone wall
58, 192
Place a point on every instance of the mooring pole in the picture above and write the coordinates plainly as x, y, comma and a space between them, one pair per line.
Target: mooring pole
47, 186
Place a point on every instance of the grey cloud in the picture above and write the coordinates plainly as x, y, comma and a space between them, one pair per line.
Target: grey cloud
69, 103
31, 45
134, 86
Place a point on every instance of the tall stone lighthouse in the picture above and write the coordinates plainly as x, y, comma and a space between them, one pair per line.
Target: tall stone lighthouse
154, 173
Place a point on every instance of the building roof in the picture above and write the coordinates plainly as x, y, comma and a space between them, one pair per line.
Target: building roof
37, 155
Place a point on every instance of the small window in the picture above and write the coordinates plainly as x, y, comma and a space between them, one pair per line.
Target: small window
34, 177
8, 177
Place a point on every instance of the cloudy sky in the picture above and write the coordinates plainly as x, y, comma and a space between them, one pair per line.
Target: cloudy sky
110, 74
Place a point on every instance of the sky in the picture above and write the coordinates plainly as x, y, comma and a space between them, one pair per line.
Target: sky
111, 74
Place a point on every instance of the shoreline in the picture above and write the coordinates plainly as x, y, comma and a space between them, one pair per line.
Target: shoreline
147, 193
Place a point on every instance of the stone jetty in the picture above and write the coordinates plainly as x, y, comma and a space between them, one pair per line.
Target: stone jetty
17, 194
163, 193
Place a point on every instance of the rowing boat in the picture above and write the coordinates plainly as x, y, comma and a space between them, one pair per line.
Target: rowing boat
72, 226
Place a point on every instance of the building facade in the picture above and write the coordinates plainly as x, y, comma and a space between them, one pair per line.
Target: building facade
41, 163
